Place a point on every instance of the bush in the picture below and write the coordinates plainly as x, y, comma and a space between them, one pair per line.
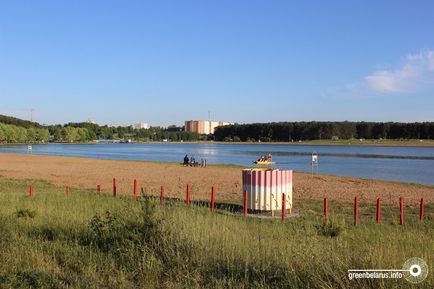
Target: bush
329, 229
122, 229
25, 213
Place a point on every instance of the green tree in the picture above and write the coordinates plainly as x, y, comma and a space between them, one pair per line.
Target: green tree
57, 135
2, 133
43, 135
69, 134
82, 134
31, 135
21, 135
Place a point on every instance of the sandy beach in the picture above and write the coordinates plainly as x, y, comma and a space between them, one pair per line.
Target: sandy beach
88, 173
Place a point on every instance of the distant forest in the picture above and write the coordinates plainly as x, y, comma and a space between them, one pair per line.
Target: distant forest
18, 122
17, 134
14, 130
82, 132
296, 131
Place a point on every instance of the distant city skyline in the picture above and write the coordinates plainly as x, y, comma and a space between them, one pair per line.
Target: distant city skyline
165, 62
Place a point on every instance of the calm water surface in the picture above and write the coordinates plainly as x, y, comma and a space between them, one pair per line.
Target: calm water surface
406, 164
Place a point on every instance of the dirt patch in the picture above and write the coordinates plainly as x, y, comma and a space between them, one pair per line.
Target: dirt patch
88, 173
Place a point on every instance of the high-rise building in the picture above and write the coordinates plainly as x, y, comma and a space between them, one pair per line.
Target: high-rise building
203, 126
140, 125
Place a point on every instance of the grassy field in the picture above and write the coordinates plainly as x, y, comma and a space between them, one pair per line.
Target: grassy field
97, 241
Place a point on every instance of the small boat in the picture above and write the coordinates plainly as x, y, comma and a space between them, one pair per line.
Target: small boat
263, 163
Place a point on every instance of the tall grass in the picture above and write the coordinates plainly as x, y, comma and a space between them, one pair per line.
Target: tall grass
97, 241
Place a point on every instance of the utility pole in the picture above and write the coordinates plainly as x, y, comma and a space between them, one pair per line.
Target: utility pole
31, 114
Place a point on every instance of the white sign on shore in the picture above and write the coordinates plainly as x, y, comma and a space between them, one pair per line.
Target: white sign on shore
314, 163
314, 158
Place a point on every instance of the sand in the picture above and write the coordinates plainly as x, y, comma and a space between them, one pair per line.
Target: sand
88, 173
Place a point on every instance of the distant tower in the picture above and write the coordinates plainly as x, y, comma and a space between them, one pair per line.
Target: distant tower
31, 114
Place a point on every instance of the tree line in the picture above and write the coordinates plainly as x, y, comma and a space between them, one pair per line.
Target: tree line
18, 122
14, 130
296, 131
16, 134
82, 132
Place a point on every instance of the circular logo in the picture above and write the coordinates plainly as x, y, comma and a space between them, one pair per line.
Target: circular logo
416, 270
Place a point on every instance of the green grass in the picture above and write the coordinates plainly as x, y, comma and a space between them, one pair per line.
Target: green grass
97, 241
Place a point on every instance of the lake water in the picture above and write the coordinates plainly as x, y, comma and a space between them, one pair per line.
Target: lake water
405, 164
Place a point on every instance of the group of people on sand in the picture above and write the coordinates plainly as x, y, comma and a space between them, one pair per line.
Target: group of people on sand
269, 158
191, 162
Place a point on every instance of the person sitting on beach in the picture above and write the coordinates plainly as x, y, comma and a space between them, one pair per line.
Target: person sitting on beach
186, 160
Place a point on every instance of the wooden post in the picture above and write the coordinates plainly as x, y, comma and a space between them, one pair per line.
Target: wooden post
401, 209
422, 209
161, 195
31, 191
98, 189
245, 203
378, 218
136, 193
187, 197
283, 207
356, 210
68, 191
114, 187
326, 209
212, 198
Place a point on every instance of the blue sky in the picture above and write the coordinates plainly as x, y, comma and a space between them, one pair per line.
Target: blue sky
164, 62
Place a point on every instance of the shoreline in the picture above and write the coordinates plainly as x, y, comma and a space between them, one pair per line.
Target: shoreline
350, 143
228, 165
88, 173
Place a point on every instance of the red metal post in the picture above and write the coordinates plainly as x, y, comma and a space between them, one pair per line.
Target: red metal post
187, 198
161, 195
31, 191
245, 203
356, 210
283, 207
136, 194
98, 189
326, 209
114, 187
378, 218
401, 209
212, 198
422, 209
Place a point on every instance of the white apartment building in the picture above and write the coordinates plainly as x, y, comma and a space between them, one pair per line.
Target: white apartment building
140, 125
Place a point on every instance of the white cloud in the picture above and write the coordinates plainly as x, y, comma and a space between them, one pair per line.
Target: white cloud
416, 74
